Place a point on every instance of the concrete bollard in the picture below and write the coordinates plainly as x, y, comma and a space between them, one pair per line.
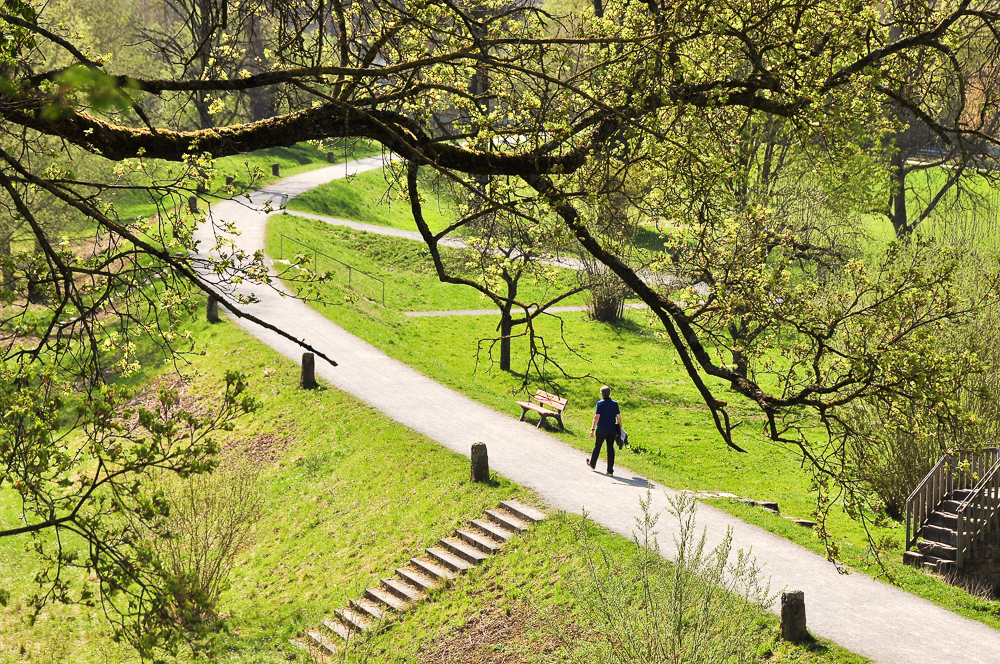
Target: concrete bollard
193, 204
284, 201
480, 463
308, 379
793, 616
212, 310
275, 170
331, 158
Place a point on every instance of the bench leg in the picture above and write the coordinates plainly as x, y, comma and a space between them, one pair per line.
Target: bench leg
541, 418
524, 411
559, 420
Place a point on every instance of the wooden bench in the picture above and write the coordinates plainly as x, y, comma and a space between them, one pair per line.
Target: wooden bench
557, 405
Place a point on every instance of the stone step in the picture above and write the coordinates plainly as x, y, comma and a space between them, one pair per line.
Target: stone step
353, 619
937, 550
321, 642
492, 530
522, 511
452, 562
934, 533
416, 579
481, 542
507, 521
914, 558
943, 519
457, 547
431, 569
338, 628
401, 590
385, 598
369, 608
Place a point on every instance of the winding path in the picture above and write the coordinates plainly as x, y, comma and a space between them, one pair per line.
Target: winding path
870, 618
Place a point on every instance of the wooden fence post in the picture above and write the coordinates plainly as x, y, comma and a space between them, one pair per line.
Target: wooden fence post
308, 379
212, 310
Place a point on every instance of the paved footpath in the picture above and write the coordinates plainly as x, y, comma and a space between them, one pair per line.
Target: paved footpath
870, 618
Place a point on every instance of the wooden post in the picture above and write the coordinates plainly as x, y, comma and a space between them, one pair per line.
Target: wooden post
201, 189
308, 380
331, 158
793, 616
193, 204
480, 463
275, 169
212, 310
230, 180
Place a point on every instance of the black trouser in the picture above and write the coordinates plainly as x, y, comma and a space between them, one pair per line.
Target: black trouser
600, 438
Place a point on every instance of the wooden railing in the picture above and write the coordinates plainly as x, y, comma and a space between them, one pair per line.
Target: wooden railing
976, 515
938, 483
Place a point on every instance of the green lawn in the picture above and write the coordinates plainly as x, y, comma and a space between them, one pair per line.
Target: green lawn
370, 197
674, 439
349, 495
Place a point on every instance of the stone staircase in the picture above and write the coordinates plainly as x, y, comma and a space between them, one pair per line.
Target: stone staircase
937, 550
469, 546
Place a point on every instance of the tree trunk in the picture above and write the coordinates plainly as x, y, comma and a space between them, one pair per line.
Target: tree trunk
506, 322
897, 206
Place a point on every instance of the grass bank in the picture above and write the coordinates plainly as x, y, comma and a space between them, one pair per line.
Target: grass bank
348, 496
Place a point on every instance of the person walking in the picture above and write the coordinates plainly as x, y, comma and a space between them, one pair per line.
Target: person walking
604, 429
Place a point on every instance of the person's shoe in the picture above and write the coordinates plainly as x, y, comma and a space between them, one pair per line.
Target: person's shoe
588, 463
611, 473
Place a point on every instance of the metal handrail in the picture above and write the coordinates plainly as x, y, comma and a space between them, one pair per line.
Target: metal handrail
317, 253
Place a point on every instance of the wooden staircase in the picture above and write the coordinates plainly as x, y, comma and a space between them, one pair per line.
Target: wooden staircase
953, 516
469, 546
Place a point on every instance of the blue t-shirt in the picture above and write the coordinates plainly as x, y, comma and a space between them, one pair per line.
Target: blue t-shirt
608, 410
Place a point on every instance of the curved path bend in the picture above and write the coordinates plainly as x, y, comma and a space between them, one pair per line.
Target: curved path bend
870, 618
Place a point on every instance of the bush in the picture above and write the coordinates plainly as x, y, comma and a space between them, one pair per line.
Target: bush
700, 608
212, 520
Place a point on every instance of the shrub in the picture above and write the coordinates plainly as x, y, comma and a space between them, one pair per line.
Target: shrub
703, 607
212, 519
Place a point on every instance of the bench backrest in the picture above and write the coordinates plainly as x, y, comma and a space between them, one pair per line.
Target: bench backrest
550, 400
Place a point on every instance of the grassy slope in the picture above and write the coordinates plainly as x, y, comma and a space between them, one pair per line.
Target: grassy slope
369, 198
675, 439
349, 495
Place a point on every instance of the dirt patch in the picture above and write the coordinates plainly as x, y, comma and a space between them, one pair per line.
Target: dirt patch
263, 448
150, 400
510, 634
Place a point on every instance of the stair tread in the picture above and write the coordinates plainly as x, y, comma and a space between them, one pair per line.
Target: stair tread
353, 619
493, 530
320, 640
416, 579
432, 569
338, 628
508, 521
463, 550
478, 540
368, 608
453, 562
401, 589
520, 509
386, 598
